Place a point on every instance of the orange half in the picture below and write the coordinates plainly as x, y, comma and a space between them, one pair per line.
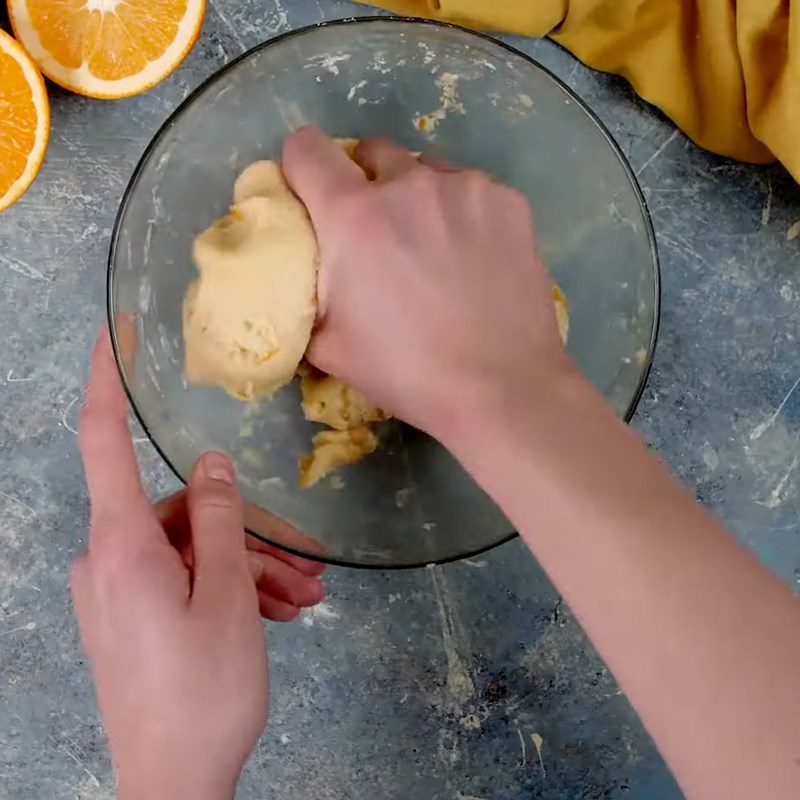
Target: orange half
24, 121
107, 48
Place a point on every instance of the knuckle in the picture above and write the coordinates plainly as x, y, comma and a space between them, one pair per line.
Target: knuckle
110, 559
359, 209
103, 521
113, 553
418, 183
366, 220
469, 185
473, 178
419, 177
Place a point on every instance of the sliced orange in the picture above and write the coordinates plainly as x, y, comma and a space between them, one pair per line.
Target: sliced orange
107, 48
24, 121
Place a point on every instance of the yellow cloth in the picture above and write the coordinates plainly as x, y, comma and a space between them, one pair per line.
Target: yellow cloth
726, 71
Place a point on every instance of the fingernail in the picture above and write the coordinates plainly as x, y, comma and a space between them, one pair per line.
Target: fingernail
219, 467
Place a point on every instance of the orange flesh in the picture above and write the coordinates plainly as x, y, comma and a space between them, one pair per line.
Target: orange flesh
114, 44
18, 119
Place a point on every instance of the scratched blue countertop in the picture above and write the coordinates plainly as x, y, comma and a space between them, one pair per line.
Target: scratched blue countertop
466, 682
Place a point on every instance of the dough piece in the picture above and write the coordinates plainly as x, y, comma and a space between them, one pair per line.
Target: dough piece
562, 312
334, 448
247, 319
329, 401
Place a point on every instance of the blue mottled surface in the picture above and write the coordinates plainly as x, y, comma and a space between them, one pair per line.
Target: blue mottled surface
426, 684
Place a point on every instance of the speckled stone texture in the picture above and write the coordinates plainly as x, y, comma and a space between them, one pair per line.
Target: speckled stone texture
432, 684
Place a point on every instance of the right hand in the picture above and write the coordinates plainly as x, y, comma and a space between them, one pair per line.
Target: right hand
431, 295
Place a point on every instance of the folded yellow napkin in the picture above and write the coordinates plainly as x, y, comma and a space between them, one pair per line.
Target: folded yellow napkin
726, 71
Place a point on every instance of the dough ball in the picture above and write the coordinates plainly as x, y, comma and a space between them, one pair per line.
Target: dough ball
247, 319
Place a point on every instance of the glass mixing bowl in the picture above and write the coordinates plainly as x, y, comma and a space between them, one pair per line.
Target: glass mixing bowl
426, 85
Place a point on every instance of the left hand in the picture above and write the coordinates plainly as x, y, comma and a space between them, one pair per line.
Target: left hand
168, 600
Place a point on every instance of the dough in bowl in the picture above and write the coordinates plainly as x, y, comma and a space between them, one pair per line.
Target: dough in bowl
247, 319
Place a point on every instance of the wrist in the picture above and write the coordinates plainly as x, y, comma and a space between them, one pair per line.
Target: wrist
493, 409
150, 789
555, 457
175, 780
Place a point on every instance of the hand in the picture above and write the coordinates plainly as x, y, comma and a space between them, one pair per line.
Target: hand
285, 583
430, 291
173, 633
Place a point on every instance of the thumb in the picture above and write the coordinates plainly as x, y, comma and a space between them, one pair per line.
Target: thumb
215, 513
318, 170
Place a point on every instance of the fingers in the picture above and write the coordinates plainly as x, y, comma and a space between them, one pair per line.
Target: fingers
112, 473
318, 170
383, 160
303, 565
172, 508
171, 512
280, 593
278, 530
215, 514
278, 579
173, 515
276, 610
